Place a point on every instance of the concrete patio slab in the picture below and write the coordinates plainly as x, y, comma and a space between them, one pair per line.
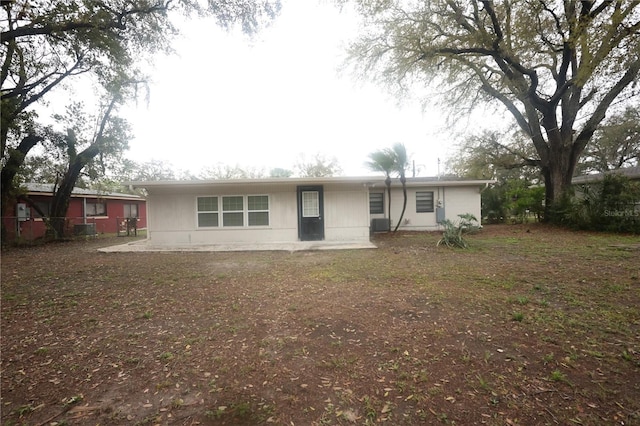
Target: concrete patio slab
148, 246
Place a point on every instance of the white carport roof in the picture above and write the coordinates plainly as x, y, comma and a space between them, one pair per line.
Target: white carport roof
369, 181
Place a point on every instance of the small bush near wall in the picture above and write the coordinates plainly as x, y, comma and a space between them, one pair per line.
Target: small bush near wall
453, 235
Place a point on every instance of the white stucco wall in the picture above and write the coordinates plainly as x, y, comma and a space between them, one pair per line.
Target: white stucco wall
462, 200
455, 200
346, 213
172, 208
172, 215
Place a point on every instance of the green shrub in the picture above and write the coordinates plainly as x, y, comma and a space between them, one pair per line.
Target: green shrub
494, 205
525, 201
453, 235
612, 205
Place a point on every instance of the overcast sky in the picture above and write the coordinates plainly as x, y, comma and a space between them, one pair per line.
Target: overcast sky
261, 103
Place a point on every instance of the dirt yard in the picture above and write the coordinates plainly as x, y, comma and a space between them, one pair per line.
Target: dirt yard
531, 325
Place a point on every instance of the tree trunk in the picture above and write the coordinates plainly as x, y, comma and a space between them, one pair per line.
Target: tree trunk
60, 202
60, 206
558, 171
403, 179
9, 171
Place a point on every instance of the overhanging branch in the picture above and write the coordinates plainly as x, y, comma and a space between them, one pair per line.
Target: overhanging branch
117, 22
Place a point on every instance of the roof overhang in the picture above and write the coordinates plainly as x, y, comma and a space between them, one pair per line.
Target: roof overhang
631, 173
46, 189
368, 181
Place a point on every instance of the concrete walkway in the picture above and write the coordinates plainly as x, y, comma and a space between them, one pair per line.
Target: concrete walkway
147, 246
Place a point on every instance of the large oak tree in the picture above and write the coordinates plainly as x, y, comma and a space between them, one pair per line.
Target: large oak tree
556, 66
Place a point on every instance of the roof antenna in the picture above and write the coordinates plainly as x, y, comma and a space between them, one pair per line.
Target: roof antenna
438, 168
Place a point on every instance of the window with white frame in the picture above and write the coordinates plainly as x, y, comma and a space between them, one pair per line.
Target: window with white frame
131, 210
233, 211
424, 202
376, 203
96, 208
207, 212
258, 208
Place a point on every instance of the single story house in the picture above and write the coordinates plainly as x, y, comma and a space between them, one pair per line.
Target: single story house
90, 211
298, 209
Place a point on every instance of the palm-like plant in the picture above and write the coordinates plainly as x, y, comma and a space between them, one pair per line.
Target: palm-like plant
392, 160
400, 164
383, 161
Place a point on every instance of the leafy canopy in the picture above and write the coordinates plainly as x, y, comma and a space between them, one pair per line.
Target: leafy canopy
557, 67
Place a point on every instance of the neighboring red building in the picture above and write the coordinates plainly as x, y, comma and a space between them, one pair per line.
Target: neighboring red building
90, 212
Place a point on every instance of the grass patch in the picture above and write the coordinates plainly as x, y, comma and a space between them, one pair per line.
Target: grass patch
557, 376
41, 351
166, 356
517, 316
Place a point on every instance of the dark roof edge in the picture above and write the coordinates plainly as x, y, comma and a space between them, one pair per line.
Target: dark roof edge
47, 188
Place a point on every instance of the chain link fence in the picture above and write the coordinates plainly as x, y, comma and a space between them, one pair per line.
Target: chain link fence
20, 229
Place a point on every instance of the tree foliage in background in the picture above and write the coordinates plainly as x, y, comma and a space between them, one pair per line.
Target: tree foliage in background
129, 171
225, 171
491, 154
514, 201
556, 67
47, 44
612, 204
506, 158
279, 172
318, 166
616, 144
87, 144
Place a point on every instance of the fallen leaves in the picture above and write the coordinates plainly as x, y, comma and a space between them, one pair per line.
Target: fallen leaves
344, 338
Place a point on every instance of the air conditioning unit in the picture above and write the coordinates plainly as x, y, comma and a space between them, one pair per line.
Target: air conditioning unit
380, 225
84, 229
